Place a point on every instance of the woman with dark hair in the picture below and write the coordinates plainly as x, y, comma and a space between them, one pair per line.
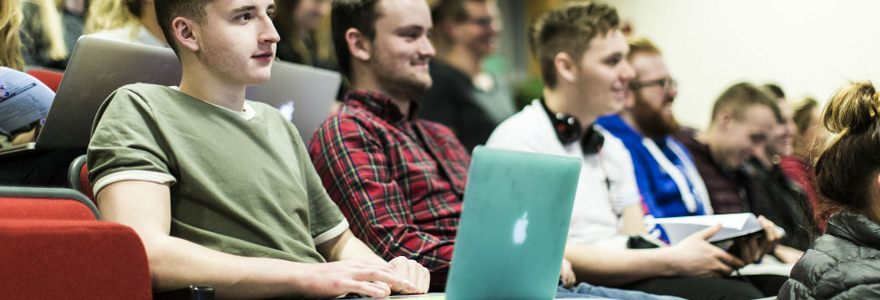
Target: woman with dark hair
809, 140
302, 41
844, 263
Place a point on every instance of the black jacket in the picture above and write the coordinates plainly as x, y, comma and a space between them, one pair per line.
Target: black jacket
781, 201
842, 264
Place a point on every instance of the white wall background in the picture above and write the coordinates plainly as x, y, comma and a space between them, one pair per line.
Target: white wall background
808, 47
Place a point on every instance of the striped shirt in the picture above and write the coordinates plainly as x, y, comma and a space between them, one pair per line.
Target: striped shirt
398, 180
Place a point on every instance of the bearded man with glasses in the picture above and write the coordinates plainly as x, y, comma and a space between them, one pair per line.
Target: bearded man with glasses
666, 175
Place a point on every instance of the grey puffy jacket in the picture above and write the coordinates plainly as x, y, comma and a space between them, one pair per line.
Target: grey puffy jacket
842, 264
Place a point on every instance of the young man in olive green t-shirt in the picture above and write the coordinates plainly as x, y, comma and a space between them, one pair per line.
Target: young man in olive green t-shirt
221, 190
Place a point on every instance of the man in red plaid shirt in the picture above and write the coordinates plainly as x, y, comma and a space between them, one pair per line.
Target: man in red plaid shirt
399, 179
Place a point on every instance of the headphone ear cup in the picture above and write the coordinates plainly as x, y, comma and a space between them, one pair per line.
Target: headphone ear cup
568, 129
592, 142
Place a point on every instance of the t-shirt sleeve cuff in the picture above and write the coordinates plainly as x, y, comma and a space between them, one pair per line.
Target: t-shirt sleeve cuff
332, 232
629, 200
149, 176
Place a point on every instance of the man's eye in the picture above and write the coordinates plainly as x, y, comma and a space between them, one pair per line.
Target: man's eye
613, 61
244, 17
411, 35
758, 138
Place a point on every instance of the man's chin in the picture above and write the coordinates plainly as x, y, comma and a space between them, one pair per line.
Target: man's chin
414, 89
259, 79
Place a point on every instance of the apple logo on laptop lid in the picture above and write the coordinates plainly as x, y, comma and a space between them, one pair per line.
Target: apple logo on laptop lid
519, 229
287, 110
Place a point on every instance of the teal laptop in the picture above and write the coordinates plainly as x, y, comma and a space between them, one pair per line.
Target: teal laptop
513, 227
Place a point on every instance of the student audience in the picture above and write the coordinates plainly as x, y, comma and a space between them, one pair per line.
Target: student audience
397, 178
843, 264
809, 141
125, 20
668, 180
463, 97
49, 32
302, 39
377, 206
258, 224
584, 81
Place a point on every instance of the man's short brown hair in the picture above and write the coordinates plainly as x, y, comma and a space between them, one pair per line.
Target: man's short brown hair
739, 97
357, 14
167, 10
568, 29
449, 11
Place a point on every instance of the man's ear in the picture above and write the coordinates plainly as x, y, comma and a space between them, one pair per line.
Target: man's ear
450, 30
185, 33
358, 44
724, 118
565, 66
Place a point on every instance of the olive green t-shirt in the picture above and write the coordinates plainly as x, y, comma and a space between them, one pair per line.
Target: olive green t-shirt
5, 141
239, 185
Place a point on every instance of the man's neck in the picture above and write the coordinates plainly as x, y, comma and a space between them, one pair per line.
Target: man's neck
562, 100
148, 20
207, 88
766, 160
710, 138
464, 60
368, 83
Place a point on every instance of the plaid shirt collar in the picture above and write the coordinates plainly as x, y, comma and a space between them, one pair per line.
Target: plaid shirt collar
382, 106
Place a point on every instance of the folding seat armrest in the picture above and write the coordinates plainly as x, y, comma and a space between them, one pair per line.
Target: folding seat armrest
72, 259
49, 194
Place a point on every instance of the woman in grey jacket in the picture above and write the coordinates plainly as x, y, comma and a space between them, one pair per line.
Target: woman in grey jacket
845, 262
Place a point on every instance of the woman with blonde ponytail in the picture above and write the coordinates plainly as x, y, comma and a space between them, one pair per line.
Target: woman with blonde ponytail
131, 21
10, 22
49, 33
845, 262
11, 57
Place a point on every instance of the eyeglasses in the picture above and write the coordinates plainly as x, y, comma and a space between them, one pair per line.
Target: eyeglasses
668, 84
483, 21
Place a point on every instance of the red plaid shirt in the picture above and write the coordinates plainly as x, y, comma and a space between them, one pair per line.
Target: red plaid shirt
398, 181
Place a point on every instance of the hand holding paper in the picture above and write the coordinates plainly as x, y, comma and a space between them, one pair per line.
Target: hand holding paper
694, 257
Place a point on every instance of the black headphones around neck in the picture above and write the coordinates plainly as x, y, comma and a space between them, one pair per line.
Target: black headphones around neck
568, 130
